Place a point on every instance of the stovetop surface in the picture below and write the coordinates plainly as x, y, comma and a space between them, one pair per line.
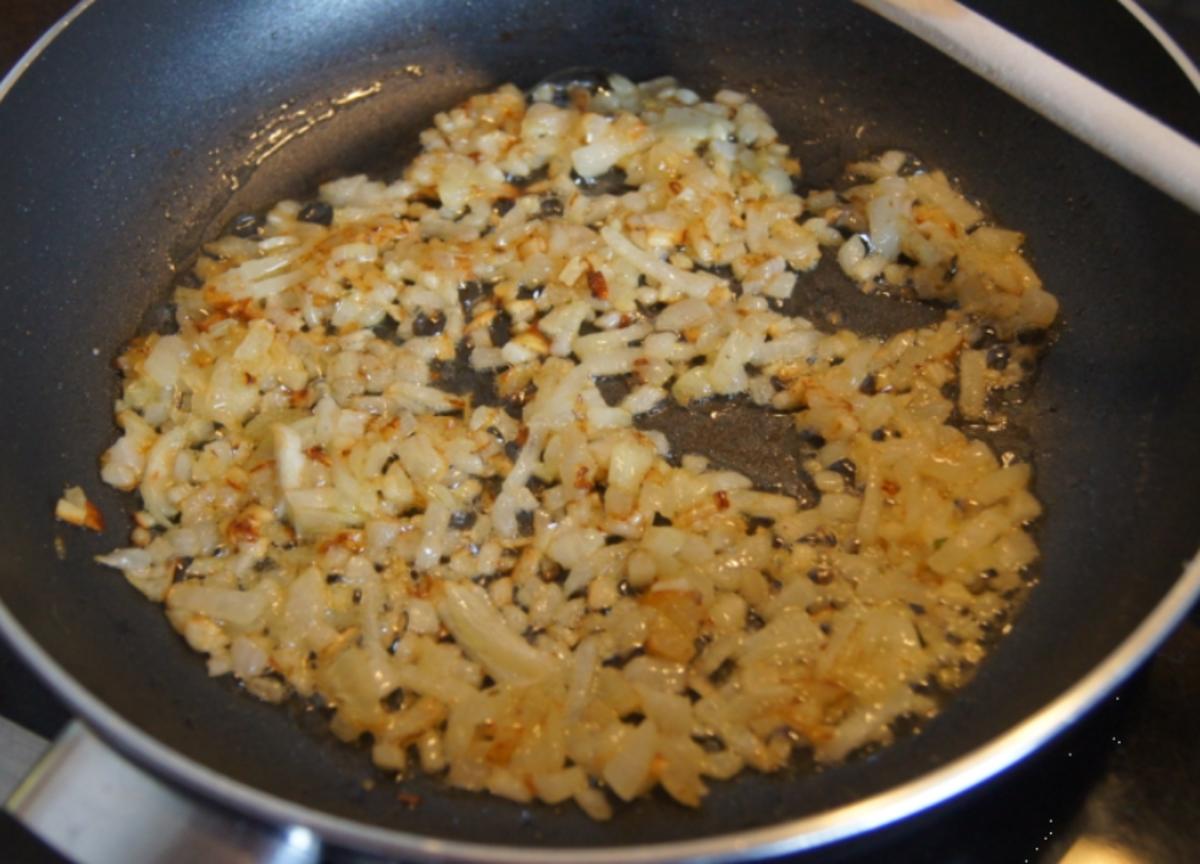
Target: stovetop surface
1121, 787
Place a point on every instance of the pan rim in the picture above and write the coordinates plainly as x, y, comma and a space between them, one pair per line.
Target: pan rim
1164, 39
797, 835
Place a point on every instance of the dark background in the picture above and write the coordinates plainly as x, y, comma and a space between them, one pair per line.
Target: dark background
1119, 787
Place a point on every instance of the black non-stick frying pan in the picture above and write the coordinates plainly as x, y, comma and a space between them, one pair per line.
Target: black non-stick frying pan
146, 124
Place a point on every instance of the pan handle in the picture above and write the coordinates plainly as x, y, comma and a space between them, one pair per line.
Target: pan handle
93, 806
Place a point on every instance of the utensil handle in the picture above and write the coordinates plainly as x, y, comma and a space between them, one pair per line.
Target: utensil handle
93, 806
1102, 120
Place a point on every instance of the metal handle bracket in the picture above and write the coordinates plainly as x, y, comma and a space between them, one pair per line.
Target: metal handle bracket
93, 806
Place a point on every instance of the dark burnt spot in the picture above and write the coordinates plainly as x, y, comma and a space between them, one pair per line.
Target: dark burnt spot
611, 182
618, 661
317, 212
998, 357
709, 743
536, 485
984, 337
461, 520
812, 439
820, 538
471, 292
722, 673
500, 329
754, 524
514, 405
525, 523
534, 176
614, 388
246, 225
394, 701
181, 566
721, 271
820, 575
430, 324
847, 469
387, 329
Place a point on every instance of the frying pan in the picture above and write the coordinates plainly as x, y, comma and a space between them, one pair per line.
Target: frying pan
145, 125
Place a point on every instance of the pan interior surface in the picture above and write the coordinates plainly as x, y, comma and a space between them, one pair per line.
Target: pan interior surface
113, 181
